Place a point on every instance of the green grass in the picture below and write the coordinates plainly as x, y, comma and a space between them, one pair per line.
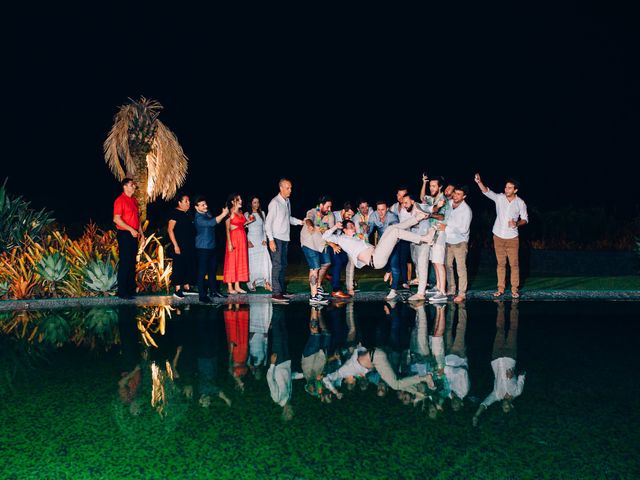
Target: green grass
371, 281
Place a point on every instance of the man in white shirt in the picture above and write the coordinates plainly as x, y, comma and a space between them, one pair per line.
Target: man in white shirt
507, 385
511, 213
437, 204
457, 224
277, 229
279, 376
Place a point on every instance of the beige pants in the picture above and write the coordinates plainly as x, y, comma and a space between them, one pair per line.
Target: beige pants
457, 252
392, 235
506, 341
384, 368
507, 249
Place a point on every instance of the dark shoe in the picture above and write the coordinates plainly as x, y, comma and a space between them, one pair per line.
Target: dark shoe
279, 298
178, 294
206, 300
340, 294
218, 295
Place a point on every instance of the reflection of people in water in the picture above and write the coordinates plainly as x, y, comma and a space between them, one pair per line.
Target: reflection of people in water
259, 322
314, 354
279, 373
456, 364
208, 348
507, 385
236, 322
129, 389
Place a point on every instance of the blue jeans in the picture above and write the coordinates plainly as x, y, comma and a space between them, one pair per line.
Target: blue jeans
338, 263
404, 252
279, 266
394, 265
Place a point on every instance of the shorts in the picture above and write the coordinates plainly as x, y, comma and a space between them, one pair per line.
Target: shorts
438, 249
316, 259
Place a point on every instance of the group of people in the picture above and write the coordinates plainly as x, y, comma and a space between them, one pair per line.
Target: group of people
431, 228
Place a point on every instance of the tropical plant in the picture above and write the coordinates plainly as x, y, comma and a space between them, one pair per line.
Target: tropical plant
53, 268
141, 147
54, 330
100, 276
18, 219
4, 288
18, 269
153, 269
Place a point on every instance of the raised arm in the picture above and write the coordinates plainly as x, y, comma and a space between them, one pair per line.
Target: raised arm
423, 189
484, 189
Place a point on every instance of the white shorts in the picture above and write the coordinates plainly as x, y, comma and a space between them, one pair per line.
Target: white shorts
438, 249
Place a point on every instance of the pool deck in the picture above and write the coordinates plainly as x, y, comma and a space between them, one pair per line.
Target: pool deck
478, 295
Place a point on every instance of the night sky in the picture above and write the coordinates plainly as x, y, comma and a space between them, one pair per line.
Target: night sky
350, 107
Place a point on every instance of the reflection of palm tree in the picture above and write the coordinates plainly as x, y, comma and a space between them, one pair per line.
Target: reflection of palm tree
141, 147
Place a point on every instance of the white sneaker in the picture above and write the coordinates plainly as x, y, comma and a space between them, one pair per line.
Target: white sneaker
439, 298
189, 292
391, 295
416, 297
318, 300
429, 292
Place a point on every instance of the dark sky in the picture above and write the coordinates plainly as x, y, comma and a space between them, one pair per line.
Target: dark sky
348, 105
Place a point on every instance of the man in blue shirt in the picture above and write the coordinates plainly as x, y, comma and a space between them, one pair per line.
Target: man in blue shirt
378, 222
206, 249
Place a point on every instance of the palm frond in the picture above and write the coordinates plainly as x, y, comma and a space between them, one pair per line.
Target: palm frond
116, 146
167, 164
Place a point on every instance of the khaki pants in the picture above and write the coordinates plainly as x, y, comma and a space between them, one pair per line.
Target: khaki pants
457, 252
507, 249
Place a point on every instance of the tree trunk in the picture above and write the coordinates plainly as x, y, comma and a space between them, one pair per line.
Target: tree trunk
140, 177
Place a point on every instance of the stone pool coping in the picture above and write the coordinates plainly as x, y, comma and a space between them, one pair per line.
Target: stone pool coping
479, 295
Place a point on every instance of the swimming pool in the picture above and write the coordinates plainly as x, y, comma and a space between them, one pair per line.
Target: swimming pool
132, 392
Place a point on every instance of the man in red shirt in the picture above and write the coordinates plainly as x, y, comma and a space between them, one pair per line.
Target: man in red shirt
127, 220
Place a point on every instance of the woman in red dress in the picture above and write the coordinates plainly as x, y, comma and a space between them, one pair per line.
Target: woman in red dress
236, 322
236, 260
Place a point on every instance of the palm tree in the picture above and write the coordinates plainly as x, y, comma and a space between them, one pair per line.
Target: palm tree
141, 147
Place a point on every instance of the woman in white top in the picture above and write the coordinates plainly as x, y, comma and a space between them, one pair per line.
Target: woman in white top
259, 259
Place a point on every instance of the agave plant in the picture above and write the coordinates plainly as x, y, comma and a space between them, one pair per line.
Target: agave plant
18, 219
54, 330
100, 276
4, 288
53, 268
141, 147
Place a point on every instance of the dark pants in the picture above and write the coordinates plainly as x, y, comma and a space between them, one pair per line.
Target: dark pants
183, 266
338, 263
394, 265
404, 252
127, 248
207, 266
279, 266
279, 336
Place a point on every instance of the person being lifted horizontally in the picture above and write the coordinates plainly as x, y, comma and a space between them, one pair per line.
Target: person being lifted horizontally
362, 253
